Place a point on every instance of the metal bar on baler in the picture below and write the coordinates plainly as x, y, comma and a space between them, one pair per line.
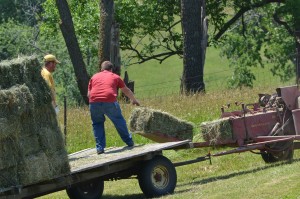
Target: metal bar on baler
199, 159
244, 116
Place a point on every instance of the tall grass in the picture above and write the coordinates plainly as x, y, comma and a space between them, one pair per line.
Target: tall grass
243, 175
196, 108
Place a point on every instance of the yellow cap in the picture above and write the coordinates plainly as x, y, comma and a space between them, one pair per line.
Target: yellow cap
50, 57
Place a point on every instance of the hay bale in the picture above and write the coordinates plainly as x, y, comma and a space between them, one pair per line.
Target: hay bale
151, 121
9, 152
217, 130
19, 71
25, 70
58, 162
10, 126
29, 144
49, 140
27, 154
9, 177
15, 100
34, 168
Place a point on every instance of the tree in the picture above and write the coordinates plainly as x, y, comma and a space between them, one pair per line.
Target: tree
247, 31
15, 39
106, 20
25, 11
67, 29
260, 29
194, 45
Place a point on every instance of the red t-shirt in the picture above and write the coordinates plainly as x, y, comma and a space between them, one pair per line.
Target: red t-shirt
103, 87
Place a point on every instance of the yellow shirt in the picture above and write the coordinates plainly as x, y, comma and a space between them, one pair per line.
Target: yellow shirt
50, 81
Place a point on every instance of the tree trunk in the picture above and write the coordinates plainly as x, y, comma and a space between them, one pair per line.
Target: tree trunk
297, 39
106, 19
298, 56
195, 41
115, 57
67, 29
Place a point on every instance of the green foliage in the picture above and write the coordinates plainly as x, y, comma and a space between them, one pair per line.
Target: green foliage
66, 79
257, 40
242, 76
85, 15
150, 27
25, 11
15, 39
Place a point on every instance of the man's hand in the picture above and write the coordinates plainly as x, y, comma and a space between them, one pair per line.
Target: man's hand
135, 102
56, 110
129, 94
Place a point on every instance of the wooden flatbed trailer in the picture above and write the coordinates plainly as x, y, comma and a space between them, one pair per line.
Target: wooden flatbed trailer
156, 174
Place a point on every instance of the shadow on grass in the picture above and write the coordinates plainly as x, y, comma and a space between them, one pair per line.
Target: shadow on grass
231, 175
131, 196
204, 181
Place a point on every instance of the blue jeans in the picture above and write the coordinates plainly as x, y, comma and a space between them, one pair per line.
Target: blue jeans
112, 110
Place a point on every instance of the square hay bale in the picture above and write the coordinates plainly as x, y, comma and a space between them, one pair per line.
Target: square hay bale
58, 162
29, 144
16, 100
49, 140
45, 114
34, 168
9, 152
9, 177
159, 126
9, 126
25, 70
28, 124
217, 130
22, 70
26, 154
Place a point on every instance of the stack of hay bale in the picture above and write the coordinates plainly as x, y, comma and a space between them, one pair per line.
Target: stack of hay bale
217, 130
31, 143
159, 126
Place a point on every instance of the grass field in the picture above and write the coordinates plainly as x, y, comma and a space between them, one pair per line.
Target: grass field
155, 79
243, 175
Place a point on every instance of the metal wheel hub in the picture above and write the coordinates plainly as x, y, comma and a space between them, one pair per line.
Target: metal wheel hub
88, 189
160, 177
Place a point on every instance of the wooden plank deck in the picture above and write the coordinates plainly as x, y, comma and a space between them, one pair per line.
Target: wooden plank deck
86, 165
88, 158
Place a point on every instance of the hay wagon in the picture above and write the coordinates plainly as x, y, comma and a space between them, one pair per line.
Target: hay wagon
156, 173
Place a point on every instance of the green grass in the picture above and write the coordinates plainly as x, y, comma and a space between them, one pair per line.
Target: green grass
155, 79
243, 175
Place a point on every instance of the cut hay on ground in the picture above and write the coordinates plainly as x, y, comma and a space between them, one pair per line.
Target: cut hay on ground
31, 143
148, 121
216, 130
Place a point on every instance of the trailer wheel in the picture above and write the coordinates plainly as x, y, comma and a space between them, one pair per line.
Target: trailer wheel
87, 190
157, 177
278, 152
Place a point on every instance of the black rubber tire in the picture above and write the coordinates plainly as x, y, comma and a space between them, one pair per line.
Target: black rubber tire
87, 190
272, 157
157, 177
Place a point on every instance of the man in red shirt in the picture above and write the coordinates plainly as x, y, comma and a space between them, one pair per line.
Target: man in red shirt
102, 94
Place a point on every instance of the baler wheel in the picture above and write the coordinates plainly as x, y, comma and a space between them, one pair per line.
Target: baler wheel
278, 152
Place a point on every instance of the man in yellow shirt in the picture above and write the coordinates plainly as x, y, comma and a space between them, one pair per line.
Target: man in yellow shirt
47, 70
